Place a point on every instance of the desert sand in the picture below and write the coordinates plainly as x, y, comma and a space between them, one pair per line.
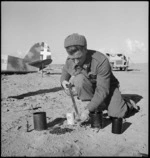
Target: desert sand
21, 92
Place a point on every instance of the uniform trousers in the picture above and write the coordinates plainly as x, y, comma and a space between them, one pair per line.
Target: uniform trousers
114, 103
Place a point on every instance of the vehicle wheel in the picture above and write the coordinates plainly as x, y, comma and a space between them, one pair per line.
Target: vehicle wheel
120, 68
126, 69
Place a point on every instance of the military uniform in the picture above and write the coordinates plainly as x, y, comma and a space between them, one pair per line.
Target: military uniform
95, 81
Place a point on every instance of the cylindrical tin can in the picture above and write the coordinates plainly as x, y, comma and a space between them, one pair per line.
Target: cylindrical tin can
39, 119
96, 119
117, 125
70, 118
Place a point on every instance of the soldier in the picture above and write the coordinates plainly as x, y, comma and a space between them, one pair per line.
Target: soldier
89, 71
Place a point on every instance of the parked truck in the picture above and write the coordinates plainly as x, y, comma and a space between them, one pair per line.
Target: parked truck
118, 61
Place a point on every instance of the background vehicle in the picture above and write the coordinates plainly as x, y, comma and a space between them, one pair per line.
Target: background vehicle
118, 61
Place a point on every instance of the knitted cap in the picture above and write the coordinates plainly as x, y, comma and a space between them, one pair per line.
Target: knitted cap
75, 39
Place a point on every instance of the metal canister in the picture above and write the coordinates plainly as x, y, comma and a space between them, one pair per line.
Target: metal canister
117, 125
39, 119
96, 119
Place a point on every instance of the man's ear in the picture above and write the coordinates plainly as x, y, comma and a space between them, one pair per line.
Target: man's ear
85, 49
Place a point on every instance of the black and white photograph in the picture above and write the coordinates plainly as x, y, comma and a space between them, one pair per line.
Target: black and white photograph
74, 79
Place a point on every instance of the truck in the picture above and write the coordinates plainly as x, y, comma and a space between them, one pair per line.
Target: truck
118, 61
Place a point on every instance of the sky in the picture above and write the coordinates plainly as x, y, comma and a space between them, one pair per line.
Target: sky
109, 26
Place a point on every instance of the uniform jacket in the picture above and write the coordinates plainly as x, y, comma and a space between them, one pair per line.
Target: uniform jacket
96, 64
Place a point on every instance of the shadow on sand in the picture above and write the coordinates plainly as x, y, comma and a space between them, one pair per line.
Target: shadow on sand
127, 70
52, 73
57, 121
133, 70
125, 126
58, 130
36, 93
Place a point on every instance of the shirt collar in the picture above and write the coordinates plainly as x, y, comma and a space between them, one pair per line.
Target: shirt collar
86, 65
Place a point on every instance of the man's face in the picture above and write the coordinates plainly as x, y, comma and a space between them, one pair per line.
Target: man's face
78, 57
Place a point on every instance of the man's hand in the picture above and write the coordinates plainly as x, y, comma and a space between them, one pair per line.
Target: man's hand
84, 115
65, 85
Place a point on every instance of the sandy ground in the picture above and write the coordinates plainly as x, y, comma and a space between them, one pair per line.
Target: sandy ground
21, 92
